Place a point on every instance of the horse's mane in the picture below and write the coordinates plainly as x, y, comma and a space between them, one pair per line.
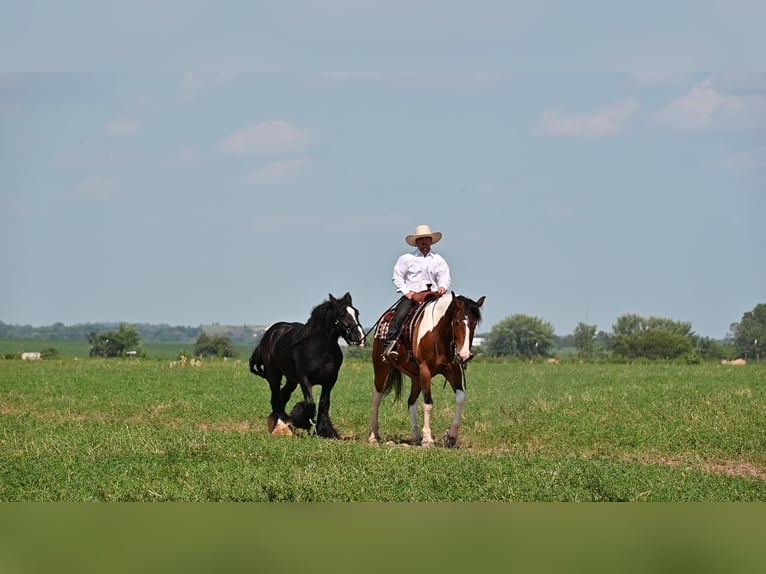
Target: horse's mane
321, 317
471, 307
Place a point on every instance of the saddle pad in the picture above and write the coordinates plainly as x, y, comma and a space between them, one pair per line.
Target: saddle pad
384, 324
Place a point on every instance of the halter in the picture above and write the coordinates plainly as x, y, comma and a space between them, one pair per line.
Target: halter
345, 331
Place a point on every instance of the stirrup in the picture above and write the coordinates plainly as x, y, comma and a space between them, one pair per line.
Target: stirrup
390, 352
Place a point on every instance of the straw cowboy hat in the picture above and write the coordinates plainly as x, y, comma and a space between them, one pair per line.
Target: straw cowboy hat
423, 231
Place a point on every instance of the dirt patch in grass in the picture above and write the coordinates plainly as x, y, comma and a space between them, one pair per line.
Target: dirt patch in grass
733, 468
226, 427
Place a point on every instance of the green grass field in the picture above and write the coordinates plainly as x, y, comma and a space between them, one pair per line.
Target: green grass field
145, 430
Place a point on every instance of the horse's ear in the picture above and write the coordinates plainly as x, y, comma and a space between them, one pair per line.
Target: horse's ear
347, 298
332, 299
480, 302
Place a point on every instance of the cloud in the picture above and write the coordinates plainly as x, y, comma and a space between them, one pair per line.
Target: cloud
122, 128
705, 107
275, 136
277, 172
606, 122
96, 189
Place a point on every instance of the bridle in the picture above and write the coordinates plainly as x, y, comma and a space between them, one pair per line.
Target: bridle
346, 330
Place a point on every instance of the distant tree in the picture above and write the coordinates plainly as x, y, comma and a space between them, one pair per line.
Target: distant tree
604, 340
749, 334
520, 336
636, 325
116, 343
629, 325
653, 338
585, 340
653, 344
214, 346
712, 350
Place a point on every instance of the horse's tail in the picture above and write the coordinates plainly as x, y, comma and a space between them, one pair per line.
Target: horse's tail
394, 383
256, 363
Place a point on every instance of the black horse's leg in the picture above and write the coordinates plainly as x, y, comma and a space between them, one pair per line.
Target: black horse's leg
284, 397
303, 412
278, 419
324, 424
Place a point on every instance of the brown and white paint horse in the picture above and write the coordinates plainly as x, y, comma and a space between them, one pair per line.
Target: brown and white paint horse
440, 345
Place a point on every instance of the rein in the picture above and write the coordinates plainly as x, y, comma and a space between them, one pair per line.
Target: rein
375, 324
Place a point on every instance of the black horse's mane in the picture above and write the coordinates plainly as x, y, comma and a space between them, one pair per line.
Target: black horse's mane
321, 320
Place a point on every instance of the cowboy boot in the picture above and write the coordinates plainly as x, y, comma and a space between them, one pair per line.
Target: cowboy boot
394, 329
390, 354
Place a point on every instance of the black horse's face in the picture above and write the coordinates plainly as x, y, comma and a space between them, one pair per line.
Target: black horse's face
347, 321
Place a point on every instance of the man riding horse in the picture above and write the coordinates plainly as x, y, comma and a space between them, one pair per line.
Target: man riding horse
418, 275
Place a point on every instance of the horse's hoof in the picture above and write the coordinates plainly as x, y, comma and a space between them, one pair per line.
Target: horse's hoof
427, 443
282, 429
450, 441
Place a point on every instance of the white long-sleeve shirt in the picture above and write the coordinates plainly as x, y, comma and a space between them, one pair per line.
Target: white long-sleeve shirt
413, 272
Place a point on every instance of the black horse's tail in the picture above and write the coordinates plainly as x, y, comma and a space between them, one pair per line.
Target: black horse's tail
394, 383
256, 363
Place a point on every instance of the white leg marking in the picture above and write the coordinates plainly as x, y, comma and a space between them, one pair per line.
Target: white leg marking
459, 404
282, 429
416, 436
375, 428
428, 438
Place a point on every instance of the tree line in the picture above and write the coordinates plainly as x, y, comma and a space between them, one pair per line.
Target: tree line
126, 342
149, 333
518, 336
632, 337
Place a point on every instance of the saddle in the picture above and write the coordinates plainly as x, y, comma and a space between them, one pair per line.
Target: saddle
405, 335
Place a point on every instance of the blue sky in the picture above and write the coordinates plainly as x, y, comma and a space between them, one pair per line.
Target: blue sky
171, 162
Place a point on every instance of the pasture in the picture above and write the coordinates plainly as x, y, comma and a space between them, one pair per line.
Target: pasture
162, 430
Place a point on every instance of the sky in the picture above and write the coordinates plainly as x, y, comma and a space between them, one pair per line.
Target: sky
236, 162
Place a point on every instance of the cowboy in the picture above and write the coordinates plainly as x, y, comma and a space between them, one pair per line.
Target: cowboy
415, 273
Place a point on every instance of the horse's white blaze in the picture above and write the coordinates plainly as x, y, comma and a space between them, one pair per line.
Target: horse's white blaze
465, 349
352, 312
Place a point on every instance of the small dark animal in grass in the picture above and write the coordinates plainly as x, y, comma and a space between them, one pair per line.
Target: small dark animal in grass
306, 355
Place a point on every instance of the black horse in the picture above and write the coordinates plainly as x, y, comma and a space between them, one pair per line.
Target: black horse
306, 355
